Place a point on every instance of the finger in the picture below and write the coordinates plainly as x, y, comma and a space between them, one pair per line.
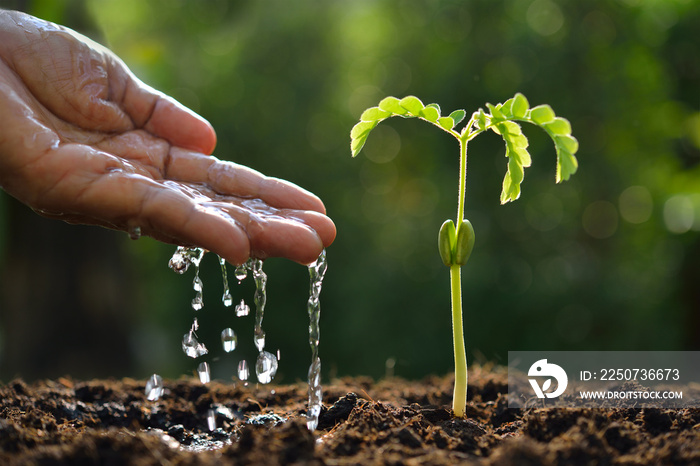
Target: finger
271, 234
170, 213
237, 180
166, 118
321, 224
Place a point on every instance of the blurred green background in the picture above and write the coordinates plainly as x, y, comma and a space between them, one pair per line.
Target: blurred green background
606, 261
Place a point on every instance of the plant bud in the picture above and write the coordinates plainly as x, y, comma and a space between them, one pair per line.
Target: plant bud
465, 243
446, 241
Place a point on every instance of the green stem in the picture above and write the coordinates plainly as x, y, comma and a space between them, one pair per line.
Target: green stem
462, 181
459, 400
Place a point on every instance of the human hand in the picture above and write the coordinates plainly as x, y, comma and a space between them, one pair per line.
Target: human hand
83, 140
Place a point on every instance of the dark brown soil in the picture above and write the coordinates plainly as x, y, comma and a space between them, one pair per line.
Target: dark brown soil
389, 422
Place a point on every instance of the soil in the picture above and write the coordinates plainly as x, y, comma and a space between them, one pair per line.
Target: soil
391, 421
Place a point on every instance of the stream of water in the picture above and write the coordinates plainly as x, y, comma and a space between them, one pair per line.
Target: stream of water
267, 363
317, 271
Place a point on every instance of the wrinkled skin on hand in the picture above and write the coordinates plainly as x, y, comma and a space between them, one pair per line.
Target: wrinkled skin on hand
83, 140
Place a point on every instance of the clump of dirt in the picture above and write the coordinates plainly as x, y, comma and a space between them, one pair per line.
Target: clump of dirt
392, 421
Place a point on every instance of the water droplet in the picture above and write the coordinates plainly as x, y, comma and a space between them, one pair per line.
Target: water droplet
204, 373
154, 387
178, 263
184, 257
243, 372
226, 298
260, 299
192, 347
259, 339
229, 339
242, 309
211, 419
134, 232
241, 272
198, 301
197, 283
266, 367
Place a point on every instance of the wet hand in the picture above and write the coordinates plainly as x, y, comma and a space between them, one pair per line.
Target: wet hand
83, 140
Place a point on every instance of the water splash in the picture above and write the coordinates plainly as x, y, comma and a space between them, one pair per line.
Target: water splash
317, 270
229, 340
260, 299
266, 364
243, 371
227, 299
190, 345
242, 309
204, 373
265, 367
154, 387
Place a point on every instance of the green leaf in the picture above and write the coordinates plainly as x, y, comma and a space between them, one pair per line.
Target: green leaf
519, 140
412, 104
511, 182
374, 114
518, 159
509, 128
359, 134
567, 143
566, 165
435, 106
517, 173
392, 105
356, 145
542, 114
458, 116
446, 122
362, 128
523, 155
519, 106
496, 114
481, 120
505, 108
559, 126
430, 113
510, 192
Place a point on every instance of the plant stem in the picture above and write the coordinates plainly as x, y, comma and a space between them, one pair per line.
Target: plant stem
462, 181
459, 399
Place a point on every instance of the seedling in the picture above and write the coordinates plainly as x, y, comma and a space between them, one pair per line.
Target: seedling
456, 239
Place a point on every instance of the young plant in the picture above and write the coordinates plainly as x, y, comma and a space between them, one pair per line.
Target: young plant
456, 238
